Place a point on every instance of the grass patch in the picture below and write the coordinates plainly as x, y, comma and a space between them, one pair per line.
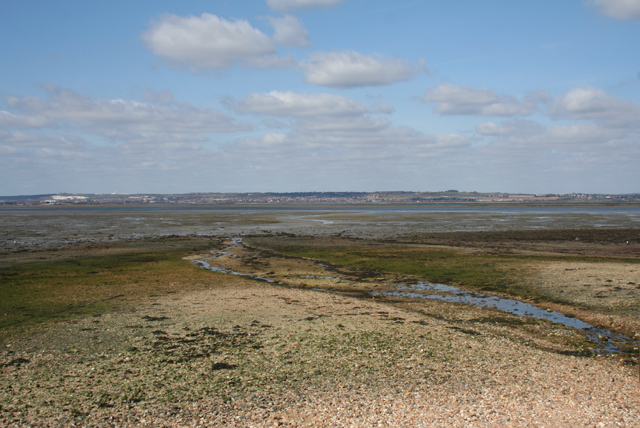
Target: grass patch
482, 272
36, 292
498, 273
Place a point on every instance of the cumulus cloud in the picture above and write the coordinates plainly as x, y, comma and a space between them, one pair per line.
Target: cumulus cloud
289, 32
591, 103
625, 10
296, 105
459, 100
69, 105
208, 42
349, 69
295, 5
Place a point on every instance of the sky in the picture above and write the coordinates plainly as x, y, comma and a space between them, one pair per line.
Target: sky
164, 96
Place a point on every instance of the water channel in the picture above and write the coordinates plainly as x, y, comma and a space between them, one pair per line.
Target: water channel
606, 341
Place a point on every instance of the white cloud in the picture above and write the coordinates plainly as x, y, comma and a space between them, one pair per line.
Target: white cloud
528, 155
294, 5
68, 105
591, 103
490, 128
459, 100
625, 10
576, 137
208, 42
150, 138
348, 69
275, 123
327, 120
347, 147
340, 134
62, 154
290, 32
295, 105
29, 139
10, 120
383, 108
510, 127
86, 167
357, 127
331, 126
164, 97
580, 134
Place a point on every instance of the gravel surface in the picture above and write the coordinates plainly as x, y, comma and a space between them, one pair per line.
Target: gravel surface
263, 355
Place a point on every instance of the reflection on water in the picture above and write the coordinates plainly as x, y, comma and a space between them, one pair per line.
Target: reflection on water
307, 218
426, 290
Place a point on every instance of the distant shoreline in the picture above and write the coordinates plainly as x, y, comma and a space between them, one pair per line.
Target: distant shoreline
313, 205
401, 198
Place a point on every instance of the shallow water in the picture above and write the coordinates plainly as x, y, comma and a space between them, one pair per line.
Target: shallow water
605, 339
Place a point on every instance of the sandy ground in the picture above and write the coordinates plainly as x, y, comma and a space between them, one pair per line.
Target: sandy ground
615, 283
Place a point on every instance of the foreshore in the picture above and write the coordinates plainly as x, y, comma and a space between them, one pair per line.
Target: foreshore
259, 355
174, 345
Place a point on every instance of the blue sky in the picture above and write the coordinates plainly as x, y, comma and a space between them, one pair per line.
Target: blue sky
319, 95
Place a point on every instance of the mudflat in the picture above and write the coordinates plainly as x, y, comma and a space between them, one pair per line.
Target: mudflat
142, 336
